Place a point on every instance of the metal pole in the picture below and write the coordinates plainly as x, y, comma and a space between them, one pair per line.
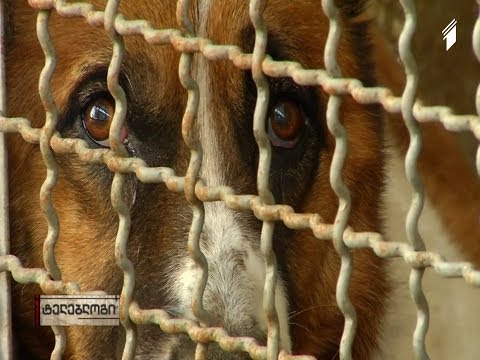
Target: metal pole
6, 350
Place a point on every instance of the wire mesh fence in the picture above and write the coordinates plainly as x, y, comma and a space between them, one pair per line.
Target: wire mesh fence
262, 205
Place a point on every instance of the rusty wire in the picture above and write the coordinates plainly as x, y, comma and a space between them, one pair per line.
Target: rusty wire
192, 176
476, 49
338, 185
411, 159
262, 205
5, 299
46, 133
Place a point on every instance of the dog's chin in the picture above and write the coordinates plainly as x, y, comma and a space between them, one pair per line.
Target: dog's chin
181, 347
161, 349
185, 349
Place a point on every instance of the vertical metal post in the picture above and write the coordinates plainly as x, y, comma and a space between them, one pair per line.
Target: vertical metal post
6, 351
476, 50
338, 185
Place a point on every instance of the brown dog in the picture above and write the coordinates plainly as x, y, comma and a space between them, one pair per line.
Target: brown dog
302, 150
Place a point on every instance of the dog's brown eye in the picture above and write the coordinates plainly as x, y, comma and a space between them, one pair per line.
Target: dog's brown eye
286, 124
97, 118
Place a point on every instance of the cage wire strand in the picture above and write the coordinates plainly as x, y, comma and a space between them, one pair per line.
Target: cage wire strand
339, 187
46, 133
118, 184
46, 204
5, 286
256, 8
411, 160
476, 49
264, 209
192, 176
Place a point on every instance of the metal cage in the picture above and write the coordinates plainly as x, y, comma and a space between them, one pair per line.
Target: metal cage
343, 237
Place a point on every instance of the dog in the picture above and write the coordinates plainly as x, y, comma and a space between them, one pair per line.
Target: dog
302, 149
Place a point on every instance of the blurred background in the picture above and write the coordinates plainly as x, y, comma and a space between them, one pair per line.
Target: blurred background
446, 78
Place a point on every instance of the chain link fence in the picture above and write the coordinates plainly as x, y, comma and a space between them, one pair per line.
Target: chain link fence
262, 205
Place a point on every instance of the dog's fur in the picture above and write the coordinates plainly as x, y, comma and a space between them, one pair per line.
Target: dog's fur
310, 320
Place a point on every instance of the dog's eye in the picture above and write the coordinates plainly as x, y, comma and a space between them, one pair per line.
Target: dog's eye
97, 117
286, 124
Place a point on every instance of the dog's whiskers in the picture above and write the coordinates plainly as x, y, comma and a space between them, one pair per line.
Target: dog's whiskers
294, 314
302, 326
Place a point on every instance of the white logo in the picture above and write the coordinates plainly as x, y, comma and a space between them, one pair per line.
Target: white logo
450, 34
64, 310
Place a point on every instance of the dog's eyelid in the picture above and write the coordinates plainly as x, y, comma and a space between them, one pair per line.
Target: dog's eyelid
286, 88
85, 95
96, 88
94, 80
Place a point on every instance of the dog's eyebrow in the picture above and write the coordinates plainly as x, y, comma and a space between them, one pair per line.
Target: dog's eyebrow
276, 48
97, 72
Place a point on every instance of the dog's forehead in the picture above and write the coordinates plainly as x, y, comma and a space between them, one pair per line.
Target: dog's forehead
84, 47
287, 23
